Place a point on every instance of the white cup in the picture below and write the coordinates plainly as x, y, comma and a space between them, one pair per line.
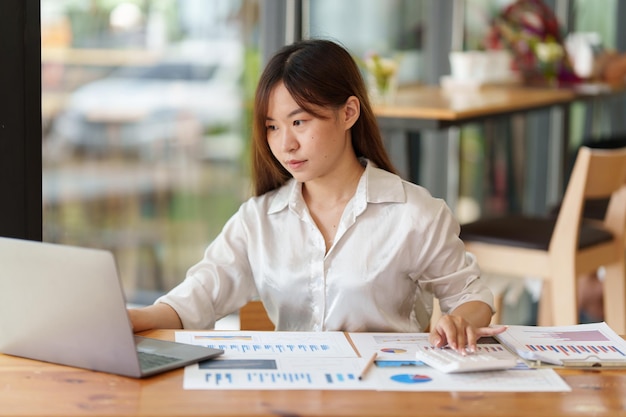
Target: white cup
479, 65
461, 65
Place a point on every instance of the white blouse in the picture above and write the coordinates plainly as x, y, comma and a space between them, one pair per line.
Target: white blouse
395, 246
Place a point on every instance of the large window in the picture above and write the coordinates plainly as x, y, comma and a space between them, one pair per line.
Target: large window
145, 128
146, 118
146, 105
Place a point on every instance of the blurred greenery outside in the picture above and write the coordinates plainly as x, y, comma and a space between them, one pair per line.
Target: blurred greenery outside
155, 235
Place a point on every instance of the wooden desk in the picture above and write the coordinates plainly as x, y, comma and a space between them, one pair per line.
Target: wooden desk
30, 388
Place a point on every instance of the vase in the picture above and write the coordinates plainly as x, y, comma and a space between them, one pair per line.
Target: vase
382, 90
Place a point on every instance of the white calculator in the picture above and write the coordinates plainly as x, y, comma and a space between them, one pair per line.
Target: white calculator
450, 361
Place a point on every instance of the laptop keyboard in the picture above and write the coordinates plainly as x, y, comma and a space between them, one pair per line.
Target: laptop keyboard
150, 360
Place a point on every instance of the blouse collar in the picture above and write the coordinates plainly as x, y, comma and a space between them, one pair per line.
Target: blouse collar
375, 186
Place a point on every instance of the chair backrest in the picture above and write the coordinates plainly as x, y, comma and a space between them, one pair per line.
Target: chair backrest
597, 173
253, 316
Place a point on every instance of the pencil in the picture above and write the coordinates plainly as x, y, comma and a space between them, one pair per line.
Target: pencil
367, 366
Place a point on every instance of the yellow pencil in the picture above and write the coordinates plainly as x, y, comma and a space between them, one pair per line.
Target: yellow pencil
368, 365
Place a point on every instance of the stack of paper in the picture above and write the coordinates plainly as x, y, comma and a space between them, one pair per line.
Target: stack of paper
329, 361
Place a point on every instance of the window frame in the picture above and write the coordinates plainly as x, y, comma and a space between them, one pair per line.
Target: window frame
20, 120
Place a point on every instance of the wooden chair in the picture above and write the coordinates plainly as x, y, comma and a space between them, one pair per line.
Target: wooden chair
253, 316
561, 249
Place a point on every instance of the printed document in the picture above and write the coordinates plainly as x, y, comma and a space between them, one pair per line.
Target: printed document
581, 345
275, 360
328, 361
398, 370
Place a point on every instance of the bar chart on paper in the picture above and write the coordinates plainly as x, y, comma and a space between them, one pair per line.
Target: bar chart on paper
330, 344
268, 348
277, 380
276, 373
573, 343
594, 342
275, 360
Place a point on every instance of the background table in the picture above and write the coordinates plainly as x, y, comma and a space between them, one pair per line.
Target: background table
31, 388
425, 111
432, 107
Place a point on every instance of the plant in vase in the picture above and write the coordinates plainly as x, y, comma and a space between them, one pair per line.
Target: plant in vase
381, 77
529, 30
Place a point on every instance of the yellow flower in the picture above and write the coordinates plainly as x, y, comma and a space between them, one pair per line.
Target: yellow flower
549, 51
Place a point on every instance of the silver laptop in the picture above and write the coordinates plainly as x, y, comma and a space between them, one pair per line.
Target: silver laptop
65, 304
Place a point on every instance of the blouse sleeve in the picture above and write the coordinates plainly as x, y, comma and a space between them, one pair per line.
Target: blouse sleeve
452, 274
219, 284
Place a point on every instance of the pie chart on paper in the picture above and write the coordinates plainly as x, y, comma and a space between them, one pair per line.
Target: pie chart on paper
410, 378
393, 350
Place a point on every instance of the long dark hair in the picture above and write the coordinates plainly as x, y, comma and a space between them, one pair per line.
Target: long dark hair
320, 73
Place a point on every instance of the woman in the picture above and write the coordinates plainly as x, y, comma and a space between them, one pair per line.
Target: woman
333, 239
